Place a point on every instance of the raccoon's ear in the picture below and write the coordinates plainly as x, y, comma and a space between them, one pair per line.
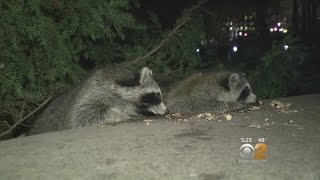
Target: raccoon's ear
145, 75
229, 81
234, 79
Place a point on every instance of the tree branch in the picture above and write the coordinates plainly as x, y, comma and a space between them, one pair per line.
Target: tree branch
6, 123
22, 110
24, 118
166, 39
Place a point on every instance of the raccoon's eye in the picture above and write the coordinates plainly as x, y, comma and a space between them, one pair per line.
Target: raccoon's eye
245, 93
151, 98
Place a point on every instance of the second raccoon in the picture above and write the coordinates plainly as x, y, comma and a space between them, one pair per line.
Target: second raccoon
210, 92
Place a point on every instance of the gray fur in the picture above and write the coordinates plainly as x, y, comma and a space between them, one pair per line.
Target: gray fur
209, 92
102, 98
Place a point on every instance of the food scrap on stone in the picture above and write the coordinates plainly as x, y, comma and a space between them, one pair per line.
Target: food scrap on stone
173, 116
282, 107
279, 104
207, 116
255, 125
254, 108
148, 121
228, 117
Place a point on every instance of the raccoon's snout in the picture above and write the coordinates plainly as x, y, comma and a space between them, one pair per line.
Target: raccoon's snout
159, 109
252, 98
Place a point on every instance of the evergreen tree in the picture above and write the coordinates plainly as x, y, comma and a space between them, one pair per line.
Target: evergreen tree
46, 46
44, 43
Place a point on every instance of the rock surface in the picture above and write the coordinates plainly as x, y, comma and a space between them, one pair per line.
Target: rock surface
195, 147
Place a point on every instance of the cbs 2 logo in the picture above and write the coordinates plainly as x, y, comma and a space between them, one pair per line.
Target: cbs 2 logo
247, 151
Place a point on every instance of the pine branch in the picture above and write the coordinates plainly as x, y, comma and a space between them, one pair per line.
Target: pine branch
186, 18
6, 123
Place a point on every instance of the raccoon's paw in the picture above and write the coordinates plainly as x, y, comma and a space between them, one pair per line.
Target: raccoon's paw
257, 103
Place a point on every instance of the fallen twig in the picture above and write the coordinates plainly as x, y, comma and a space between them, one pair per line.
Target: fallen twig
24, 118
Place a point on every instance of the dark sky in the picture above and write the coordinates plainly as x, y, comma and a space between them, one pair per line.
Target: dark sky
167, 10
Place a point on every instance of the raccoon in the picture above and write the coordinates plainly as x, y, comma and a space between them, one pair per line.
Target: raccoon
210, 92
109, 95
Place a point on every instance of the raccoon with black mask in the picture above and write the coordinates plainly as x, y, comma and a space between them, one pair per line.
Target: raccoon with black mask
109, 95
210, 92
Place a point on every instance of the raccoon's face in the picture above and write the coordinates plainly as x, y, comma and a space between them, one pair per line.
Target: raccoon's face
152, 104
238, 89
151, 101
246, 95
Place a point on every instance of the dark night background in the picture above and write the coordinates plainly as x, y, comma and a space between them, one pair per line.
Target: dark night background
206, 127
46, 47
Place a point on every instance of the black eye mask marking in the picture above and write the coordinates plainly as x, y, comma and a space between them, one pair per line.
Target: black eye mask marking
151, 99
244, 94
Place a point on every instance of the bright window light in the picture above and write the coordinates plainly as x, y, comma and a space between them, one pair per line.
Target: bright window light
235, 48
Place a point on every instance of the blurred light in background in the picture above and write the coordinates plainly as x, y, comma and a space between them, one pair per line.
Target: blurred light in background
235, 48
